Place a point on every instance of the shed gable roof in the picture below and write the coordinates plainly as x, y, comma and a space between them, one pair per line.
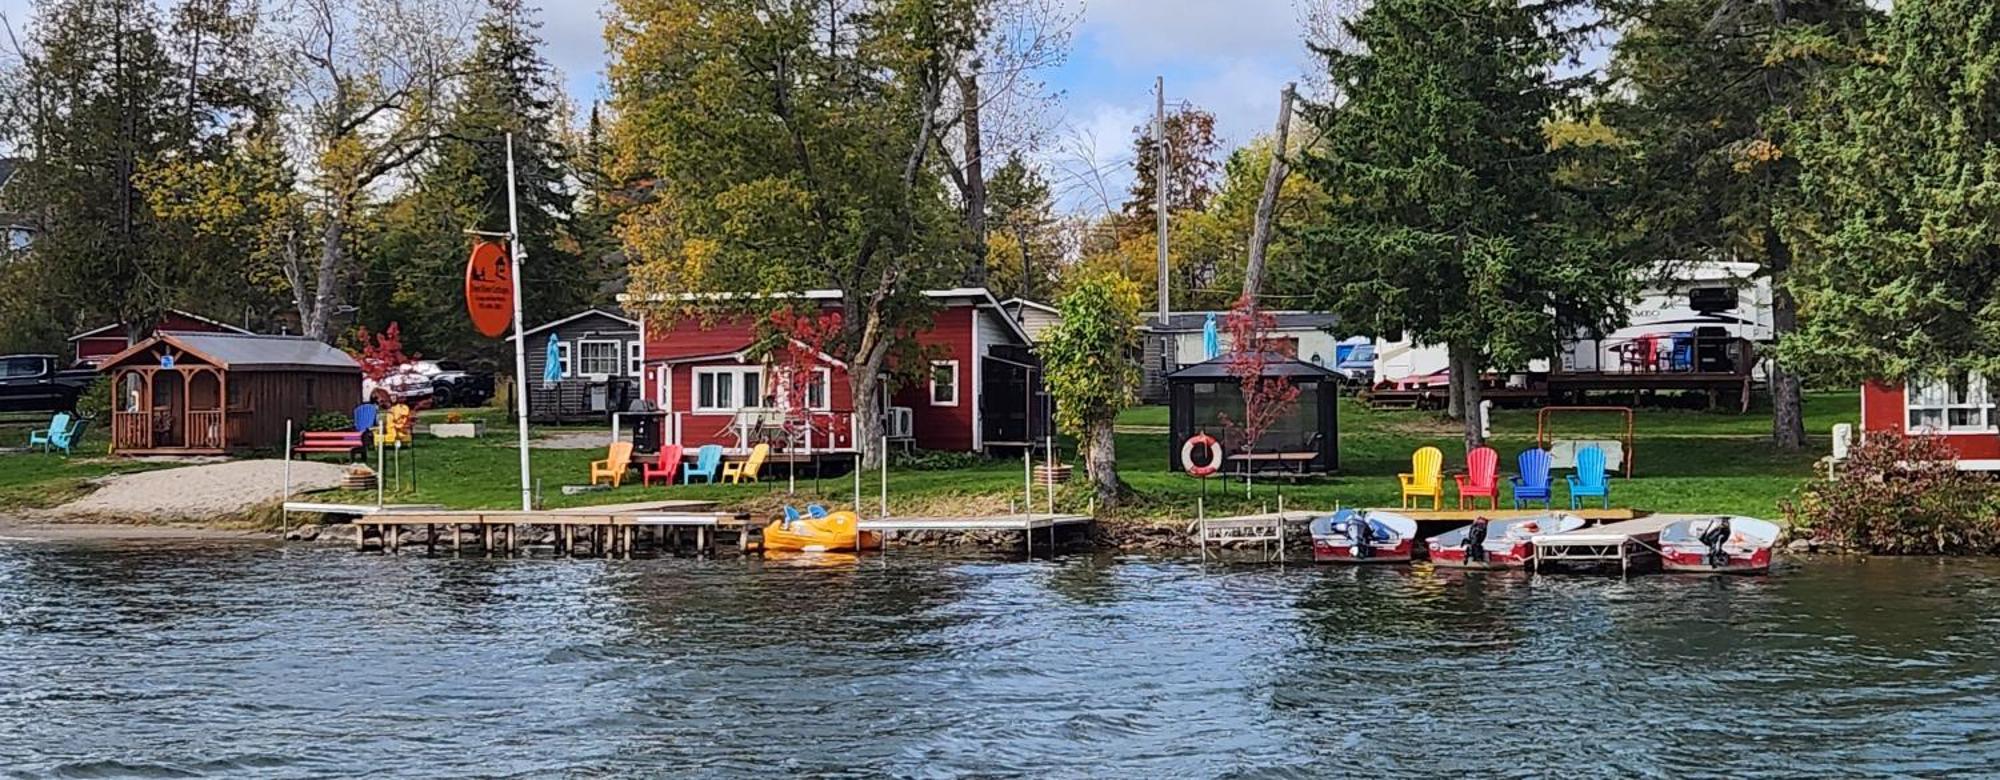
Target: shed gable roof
238, 351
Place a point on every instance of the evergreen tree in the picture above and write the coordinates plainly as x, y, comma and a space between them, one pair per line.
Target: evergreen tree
1713, 89
1445, 220
1899, 268
1025, 249
422, 245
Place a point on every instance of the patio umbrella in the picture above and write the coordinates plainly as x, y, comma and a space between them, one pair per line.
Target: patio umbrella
551, 368
1208, 339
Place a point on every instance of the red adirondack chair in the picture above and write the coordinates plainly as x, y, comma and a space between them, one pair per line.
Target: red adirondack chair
1481, 478
663, 468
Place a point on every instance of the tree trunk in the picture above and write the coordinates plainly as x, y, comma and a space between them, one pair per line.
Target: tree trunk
975, 174
869, 406
326, 284
1267, 202
1101, 461
1455, 392
1465, 370
1788, 422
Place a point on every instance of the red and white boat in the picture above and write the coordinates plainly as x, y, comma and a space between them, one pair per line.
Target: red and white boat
1507, 543
1722, 544
1353, 536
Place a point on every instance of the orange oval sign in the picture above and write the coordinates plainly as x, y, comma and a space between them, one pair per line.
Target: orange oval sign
489, 288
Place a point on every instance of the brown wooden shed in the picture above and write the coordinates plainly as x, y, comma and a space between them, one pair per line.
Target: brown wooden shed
209, 393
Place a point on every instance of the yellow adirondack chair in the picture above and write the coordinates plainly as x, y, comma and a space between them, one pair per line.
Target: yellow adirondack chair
613, 468
393, 427
1428, 463
746, 471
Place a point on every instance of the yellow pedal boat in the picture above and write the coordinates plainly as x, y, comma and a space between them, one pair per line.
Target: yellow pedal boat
834, 532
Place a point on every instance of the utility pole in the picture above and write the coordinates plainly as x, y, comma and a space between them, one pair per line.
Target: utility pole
515, 253
1160, 185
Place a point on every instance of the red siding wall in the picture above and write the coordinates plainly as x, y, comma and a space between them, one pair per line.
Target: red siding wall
1882, 412
112, 342
699, 429
944, 427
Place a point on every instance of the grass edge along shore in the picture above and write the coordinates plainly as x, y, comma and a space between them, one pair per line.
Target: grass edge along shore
1686, 461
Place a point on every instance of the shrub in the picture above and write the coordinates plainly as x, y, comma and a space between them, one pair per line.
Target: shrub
1900, 495
95, 401
937, 460
329, 421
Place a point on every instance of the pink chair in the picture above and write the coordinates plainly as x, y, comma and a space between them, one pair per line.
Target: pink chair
664, 468
1481, 478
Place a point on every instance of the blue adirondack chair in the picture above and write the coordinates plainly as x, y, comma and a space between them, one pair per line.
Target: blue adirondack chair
57, 425
67, 438
1589, 481
1533, 482
707, 462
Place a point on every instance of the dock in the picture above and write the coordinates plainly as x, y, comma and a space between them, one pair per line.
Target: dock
1627, 543
1026, 524
1265, 529
612, 529
1462, 516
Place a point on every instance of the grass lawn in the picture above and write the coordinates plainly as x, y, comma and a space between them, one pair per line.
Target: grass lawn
1686, 461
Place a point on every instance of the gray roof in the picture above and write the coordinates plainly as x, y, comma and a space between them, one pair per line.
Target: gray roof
1276, 365
1185, 321
240, 351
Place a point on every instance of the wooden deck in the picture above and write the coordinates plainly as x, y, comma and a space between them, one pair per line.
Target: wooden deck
1629, 544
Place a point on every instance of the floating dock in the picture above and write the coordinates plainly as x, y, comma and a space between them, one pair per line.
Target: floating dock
1627, 543
1265, 529
1027, 524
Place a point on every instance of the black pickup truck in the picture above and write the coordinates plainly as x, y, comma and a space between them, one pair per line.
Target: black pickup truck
35, 383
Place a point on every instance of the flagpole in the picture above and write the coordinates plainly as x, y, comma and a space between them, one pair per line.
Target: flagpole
514, 252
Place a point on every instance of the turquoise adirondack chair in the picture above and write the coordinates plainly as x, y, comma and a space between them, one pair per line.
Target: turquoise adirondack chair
1533, 482
707, 463
67, 438
57, 425
1589, 481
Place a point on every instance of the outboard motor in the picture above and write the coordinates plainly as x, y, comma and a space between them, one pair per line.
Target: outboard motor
1716, 536
1475, 540
1358, 529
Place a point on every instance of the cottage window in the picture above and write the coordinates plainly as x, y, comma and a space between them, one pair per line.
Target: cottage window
817, 384
635, 359
598, 358
728, 389
562, 359
1951, 404
944, 383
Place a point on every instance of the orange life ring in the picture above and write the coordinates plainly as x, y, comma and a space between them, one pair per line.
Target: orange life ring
1214, 463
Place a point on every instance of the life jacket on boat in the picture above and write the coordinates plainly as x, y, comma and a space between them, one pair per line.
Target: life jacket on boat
1475, 540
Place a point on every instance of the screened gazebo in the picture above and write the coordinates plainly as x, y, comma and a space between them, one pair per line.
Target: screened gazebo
1205, 398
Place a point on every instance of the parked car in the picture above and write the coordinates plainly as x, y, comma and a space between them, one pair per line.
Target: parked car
440, 382
452, 384
36, 383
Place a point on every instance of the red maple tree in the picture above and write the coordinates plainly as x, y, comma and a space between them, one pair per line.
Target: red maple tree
798, 360
381, 353
1265, 399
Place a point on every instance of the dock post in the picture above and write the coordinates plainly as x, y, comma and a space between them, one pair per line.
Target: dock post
885, 481
284, 514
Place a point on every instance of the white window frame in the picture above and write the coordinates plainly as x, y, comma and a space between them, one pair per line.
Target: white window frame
738, 400
825, 376
1978, 397
581, 358
956, 390
562, 359
635, 358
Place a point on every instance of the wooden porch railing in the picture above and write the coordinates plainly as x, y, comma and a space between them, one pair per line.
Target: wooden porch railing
132, 430
204, 430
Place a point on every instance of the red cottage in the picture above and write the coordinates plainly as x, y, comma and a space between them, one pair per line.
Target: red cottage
93, 346
1964, 410
984, 389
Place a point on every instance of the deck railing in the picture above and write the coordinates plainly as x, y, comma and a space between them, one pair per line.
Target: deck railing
132, 430
204, 430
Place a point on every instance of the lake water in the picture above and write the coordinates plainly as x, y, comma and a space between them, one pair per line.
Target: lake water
172, 659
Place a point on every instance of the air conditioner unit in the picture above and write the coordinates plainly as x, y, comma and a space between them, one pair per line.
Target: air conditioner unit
900, 423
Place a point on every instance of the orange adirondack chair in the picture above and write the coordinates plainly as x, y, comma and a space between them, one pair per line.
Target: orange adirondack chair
1426, 479
1482, 478
668, 464
613, 468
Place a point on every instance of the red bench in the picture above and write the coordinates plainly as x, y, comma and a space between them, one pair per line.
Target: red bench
341, 442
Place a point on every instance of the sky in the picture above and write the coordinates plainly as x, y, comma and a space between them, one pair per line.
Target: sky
1230, 57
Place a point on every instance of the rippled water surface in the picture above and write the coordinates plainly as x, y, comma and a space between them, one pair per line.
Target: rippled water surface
255, 660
